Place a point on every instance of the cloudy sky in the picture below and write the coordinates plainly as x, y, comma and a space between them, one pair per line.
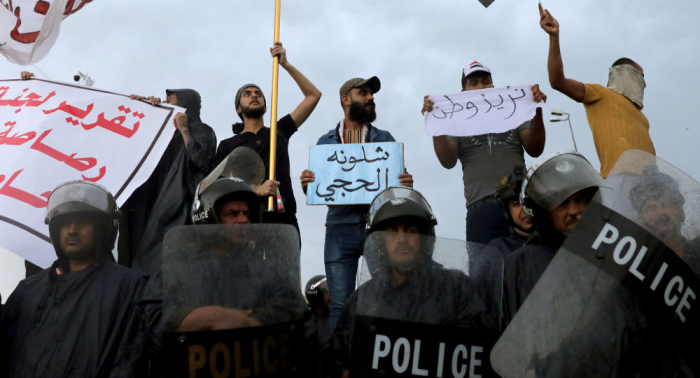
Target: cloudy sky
415, 48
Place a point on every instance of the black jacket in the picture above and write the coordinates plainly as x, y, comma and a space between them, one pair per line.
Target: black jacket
508, 244
79, 324
165, 199
523, 268
431, 295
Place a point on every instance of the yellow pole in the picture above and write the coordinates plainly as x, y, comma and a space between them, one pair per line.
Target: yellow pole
273, 113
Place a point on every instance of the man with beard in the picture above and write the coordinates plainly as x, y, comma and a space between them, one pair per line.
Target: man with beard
251, 106
555, 193
488, 157
508, 192
614, 113
346, 225
78, 317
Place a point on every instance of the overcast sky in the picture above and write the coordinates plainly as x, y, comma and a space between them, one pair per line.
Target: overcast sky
415, 48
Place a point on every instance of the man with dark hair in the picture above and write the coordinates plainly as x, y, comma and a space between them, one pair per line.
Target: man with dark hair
251, 105
487, 158
78, 317
614, 113
345, 224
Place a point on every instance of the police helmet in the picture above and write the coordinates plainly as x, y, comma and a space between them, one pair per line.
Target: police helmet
399, 204
83, 197
315, 290
509, 190
552, 180
207, 203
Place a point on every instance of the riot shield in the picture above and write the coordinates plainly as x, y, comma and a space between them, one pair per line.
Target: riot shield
426, 306
232, 301
618, 299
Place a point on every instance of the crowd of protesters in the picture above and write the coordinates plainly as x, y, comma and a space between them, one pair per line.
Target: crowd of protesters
88, 315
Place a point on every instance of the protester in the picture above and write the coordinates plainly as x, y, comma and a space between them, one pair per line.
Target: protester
409, 285
555, 194
346, 224
78, 317
251, 105
508, 192
165, 199
614, 113
488, 157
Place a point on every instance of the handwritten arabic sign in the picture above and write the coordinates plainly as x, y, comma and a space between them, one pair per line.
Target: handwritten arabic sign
493, 110
352, 174
29, 28
51, 133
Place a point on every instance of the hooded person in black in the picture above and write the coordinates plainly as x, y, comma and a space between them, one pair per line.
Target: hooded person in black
78, 317
165, 199
408, 284
555, 194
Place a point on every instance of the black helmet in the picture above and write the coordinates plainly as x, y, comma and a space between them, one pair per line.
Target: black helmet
396, 204
315, 290
222, 190
509, 190
83, 197
552, 180
400, 205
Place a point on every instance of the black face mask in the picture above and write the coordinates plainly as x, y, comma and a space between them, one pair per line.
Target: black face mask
360, 113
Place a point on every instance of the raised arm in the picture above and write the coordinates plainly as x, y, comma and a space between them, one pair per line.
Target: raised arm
534, 138
555, 66
311, 94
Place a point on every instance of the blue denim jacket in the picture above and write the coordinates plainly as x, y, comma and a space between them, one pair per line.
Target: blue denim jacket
342, 214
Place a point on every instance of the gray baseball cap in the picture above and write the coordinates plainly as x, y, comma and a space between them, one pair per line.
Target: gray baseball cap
373, 83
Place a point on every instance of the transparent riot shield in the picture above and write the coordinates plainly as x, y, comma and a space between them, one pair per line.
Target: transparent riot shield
619, 297
232, 303
426, 306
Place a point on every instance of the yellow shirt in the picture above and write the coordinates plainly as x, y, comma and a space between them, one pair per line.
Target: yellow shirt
617, 125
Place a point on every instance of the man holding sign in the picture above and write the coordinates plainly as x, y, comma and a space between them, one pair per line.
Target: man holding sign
486, 142
346, 224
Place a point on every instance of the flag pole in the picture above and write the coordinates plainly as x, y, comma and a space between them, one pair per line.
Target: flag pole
273, 113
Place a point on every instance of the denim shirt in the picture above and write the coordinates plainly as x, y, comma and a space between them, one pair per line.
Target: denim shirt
343, 214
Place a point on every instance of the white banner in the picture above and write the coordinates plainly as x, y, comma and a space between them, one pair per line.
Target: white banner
352, 174
51, 133
29, 28
493, 110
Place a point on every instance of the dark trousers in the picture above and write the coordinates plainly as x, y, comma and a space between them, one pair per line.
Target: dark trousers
486, 221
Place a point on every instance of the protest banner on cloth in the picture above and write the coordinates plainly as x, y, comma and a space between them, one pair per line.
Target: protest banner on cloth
493, 110
352, 174
29, 28
53, 132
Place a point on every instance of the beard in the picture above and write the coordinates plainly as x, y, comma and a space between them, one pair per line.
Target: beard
253, 113
362, 112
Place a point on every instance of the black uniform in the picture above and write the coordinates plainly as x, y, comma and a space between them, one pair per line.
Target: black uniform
165, 199
79, 324
431, 295
508, 244
523, 268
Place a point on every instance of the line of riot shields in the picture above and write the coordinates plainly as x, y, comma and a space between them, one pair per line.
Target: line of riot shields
618, 299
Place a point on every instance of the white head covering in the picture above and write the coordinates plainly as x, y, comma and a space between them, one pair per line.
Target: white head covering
626, 80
